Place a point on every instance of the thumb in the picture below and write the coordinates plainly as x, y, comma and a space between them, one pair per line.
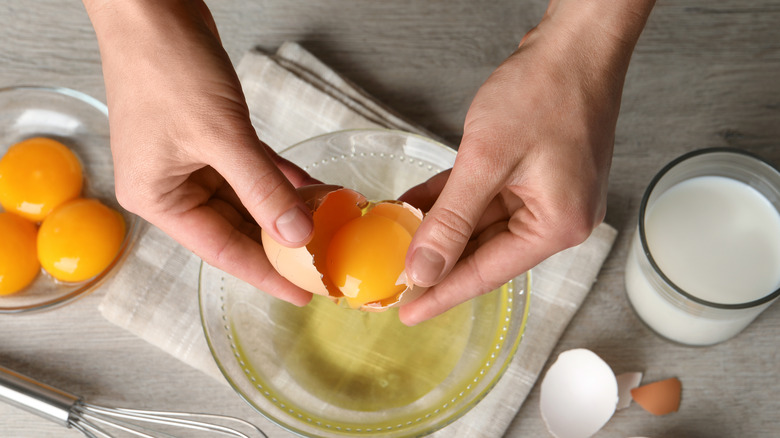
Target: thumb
265, 192
441, 238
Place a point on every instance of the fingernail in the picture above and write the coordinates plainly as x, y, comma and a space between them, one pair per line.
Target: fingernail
294, 225
427, 266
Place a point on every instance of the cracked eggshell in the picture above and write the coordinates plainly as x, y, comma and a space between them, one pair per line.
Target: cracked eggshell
332, 207
659, 398
579, 394
626, 382
296, 264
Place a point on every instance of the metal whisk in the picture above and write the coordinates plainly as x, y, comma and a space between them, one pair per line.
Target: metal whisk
70, 410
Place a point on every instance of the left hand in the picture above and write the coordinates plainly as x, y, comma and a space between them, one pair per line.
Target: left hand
530, 177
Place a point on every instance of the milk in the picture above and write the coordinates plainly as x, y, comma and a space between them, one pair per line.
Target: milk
717, 239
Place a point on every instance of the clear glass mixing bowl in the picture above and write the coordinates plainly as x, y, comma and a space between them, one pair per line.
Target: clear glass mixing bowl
327, 371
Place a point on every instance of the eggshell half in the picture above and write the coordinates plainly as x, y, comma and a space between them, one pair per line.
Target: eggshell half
331, 207
579, 394
294, 264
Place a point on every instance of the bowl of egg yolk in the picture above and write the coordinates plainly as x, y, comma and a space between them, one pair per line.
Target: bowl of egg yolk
332, 368
63, 232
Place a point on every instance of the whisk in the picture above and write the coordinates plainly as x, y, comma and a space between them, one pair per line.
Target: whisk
93, 421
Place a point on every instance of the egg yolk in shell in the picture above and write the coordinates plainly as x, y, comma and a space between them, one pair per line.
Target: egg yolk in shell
80, 239
366, 257
18, 260
358, 250
37, 175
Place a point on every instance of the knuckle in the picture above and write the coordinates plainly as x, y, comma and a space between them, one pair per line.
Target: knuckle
219, 253
450, 226
265, 188
129, 196
574, 228
125, 197
579, 231
479, 157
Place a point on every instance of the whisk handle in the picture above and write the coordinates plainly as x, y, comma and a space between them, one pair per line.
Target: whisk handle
36, 397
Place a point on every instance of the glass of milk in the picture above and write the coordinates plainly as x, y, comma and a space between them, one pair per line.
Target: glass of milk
705, 260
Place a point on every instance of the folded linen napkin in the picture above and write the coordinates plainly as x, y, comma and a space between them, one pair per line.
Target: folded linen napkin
293, 96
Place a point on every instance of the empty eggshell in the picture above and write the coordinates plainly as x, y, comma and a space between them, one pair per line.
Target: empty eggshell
659, 398
626, 382
579, 394
333, 207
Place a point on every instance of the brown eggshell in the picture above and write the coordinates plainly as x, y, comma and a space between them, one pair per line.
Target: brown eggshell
297, 264
294, 264
410, 294
659, 398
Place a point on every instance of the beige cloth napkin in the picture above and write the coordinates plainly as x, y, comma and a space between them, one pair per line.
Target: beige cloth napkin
293, 96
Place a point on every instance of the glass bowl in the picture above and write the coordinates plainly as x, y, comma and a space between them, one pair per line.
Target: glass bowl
327, 371
80, 122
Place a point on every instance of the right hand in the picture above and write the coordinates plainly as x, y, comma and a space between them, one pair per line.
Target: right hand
186, 156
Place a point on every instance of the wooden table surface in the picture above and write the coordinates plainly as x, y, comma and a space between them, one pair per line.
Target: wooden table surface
705, 73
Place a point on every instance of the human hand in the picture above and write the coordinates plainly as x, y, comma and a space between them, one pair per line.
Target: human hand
530, 177
186, 156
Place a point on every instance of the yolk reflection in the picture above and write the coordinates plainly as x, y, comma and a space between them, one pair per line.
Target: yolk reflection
37, 175
18, 260
366, 257
80, 239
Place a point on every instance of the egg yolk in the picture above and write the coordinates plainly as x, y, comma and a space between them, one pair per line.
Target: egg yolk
80, 239
18, 260
37, 175
366, 257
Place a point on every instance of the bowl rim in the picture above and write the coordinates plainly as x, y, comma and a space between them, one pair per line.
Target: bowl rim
133, 226
70, 92
392, 131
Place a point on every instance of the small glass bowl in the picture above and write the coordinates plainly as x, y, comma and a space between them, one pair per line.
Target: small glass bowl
80, 122
297, 365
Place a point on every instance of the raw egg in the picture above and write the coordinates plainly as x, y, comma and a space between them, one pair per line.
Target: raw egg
80, 239
18, 260
37, 175
357, 252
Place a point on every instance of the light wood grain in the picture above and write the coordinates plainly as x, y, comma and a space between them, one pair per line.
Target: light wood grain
705, 73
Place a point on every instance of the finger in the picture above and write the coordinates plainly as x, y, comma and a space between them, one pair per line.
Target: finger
483, 236
210, 235
236, 218
447, 228
265, 191
499, 210
226, 194
424, 195
297, 176
503, 257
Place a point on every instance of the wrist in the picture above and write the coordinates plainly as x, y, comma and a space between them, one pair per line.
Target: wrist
599, 33
117, 21
613, 22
